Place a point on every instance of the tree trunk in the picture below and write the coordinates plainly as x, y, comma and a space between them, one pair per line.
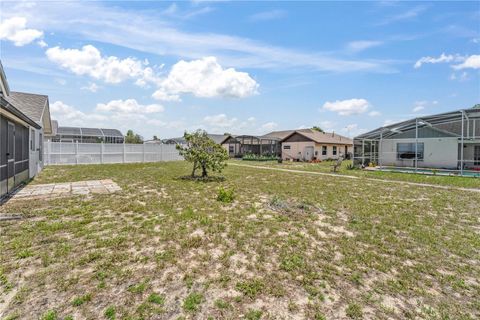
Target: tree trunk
194, 169
204, 171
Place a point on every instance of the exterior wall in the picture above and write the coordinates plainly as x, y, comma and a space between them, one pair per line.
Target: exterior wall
16, 170
438, 153
36, 162
297, 150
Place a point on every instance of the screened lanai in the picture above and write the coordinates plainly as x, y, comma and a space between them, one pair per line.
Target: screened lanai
447, 142
87, 135
238, 146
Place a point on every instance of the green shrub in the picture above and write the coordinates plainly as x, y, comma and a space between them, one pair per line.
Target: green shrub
110, 313
354, 311
156, 298
49, 315
78, 301
253, 315
250, 288
254, 157
225, 195
192, 302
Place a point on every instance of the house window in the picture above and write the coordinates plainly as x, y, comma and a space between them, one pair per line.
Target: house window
316, 153
32, 139
286, 147
231, 149
407, 151
324, 150
334, 152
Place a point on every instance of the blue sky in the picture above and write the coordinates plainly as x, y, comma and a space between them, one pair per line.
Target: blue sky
160, 68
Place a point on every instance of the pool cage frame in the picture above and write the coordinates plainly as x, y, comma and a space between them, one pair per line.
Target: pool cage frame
368, 146
247, 144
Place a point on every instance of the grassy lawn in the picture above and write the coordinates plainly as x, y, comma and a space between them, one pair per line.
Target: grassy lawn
289, 246
326, 166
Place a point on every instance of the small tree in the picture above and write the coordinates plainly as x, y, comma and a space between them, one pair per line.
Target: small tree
203, 152
317, 128
133, 138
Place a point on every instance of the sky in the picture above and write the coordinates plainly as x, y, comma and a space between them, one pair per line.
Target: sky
160, 68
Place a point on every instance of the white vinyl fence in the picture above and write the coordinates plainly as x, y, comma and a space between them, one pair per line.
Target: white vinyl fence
96, 153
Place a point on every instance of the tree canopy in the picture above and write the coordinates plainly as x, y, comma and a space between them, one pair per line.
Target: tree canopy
203, 152
317, 128
132, 137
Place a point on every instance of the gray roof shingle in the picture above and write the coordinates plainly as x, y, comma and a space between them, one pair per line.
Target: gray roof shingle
31, 105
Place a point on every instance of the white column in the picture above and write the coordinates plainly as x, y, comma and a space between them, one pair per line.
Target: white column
101, 152
144, 152
76, 152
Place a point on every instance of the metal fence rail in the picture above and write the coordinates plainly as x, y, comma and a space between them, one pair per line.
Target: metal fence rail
57, 153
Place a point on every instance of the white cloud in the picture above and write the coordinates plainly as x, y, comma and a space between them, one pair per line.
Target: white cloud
92, 87
220, 121
42, 43
89, 61
443, 58
68, 115
467, 62
409, 14
269, 126
374, 113
472, 62
129, 106
357, 46
147, 31
347, 107
15, 30
268, 15
419, 106
422, 105
205, 78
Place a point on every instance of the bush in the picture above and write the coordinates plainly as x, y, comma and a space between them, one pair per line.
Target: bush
225, 195
254, 157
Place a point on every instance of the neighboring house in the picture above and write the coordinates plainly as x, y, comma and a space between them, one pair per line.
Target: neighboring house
309, 144
86, 135
238, 146
301, 145
444, 141
24, 120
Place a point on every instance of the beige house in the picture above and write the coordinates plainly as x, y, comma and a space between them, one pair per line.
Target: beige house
309, 144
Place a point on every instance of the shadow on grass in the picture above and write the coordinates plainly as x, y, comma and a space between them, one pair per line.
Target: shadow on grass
202, 179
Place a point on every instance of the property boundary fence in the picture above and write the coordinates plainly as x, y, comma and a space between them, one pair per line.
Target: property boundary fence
58, 153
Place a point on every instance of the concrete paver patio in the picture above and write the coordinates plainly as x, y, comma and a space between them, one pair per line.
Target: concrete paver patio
54, 190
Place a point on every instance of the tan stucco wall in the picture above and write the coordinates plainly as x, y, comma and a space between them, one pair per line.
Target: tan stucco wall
297, 150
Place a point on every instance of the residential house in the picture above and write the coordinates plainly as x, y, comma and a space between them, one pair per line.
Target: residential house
24, 120
310, 144
444, 141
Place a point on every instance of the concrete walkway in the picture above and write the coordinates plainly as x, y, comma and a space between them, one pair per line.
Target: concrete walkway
418, 184
54, 190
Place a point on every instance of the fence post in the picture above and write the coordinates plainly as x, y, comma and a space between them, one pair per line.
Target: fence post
161, 152
76, 152
101, 152
49, 154
144, 152
123, 152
